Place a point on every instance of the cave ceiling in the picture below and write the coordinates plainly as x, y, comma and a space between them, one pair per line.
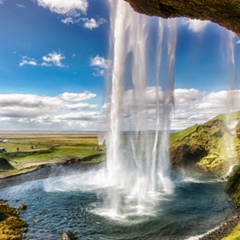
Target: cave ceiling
225, 13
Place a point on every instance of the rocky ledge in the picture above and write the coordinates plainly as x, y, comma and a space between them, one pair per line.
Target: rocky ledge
12, 227
226, 13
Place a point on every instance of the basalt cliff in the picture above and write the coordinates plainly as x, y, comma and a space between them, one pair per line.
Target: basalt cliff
226, 13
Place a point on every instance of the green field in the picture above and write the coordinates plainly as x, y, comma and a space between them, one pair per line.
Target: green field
28, 151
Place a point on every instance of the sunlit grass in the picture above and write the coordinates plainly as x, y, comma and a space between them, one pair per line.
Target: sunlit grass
179, 135
30, 151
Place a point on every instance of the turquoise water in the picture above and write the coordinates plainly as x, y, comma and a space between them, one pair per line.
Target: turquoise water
193, 208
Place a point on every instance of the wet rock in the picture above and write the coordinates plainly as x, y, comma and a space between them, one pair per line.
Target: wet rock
22, 207
185, 154
68, 236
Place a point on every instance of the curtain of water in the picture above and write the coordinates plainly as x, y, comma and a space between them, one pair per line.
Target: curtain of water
232, 98
140, 106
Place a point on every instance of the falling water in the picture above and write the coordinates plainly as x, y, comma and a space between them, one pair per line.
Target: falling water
232, 99
140, 107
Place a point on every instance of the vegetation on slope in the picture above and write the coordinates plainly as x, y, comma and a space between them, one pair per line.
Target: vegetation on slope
213, 146
233, 186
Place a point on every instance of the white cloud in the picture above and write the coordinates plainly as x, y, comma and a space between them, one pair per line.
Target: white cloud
197, 107
100, 64
77, 97
80, 111
20, 5
27, 61
27, 105
53, 59
81, 106
71, 10
195, 25
98, 72
65, 7
1, 1
29, 111
191, 106
68, 20
92, 23
83, 116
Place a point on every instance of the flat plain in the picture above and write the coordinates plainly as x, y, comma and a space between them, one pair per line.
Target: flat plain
28, 151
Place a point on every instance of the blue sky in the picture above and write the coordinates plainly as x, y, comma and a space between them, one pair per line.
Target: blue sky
53, 55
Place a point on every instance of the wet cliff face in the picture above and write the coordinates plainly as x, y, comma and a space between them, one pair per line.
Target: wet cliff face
226, 13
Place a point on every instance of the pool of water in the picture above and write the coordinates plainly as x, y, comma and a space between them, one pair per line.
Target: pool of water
195, 207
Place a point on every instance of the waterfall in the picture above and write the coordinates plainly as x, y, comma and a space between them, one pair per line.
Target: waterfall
140, 100
232, 99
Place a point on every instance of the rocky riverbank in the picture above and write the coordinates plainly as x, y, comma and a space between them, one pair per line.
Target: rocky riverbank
223, 230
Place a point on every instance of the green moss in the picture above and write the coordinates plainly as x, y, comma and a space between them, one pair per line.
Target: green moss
233, 186
12, 226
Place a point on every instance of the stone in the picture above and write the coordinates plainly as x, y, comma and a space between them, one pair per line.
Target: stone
225, 13
68, 236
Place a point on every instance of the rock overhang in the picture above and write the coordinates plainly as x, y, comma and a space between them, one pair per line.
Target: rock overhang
225, 13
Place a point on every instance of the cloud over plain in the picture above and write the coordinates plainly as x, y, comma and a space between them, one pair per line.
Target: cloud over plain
29, 111
78, 112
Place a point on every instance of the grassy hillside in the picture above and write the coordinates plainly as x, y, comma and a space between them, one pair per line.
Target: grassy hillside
213, 146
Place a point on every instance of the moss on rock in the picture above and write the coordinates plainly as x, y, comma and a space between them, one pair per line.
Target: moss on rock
12, 227
233, 186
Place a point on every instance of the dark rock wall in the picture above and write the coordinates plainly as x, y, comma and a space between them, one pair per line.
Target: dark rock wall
226, 13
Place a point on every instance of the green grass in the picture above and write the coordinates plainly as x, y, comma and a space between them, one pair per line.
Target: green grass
181, 134
35, 150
